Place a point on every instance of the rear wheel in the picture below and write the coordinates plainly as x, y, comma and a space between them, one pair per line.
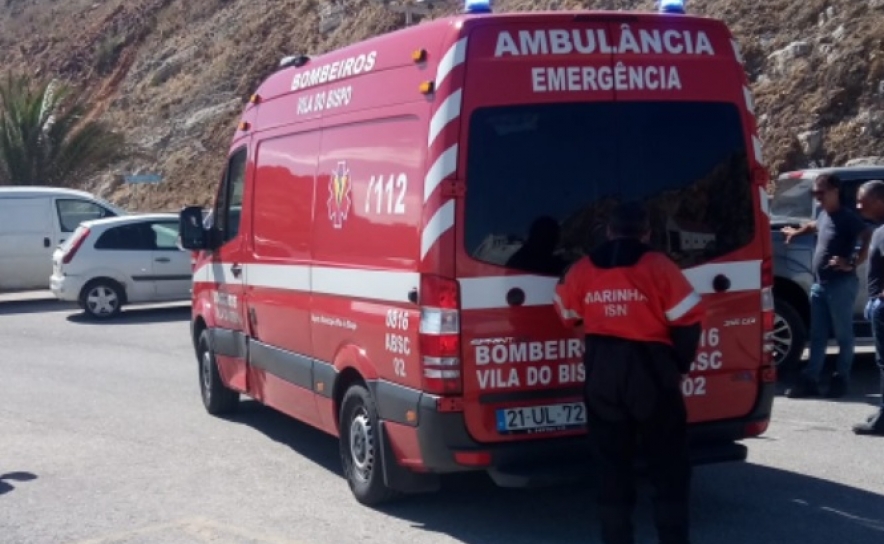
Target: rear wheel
789, 336
360, 448
217, 398
102, 299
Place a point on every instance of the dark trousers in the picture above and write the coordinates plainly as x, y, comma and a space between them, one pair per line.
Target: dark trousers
875, 316
662, 440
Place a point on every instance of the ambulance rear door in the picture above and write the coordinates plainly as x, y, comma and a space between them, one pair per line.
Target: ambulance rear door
685, 147
527, 159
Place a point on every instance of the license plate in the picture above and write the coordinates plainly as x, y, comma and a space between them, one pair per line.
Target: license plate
546, 418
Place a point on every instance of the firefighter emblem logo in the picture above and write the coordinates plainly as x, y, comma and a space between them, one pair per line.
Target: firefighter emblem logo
339, 195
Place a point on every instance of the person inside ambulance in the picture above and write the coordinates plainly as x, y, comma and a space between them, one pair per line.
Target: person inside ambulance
537, 254
642, 322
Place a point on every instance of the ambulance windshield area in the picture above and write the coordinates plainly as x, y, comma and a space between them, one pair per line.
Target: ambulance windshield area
542, 178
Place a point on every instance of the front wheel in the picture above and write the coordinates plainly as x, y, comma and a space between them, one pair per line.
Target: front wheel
360, 448
217, 397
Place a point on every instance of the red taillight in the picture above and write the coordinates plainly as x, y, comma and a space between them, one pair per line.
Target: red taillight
767, 275
756, 428
440, 335
473, 458
796, 175
75, 245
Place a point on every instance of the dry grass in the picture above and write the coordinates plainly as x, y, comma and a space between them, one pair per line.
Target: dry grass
157, 66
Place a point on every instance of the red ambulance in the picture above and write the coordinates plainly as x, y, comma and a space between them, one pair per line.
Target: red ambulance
394, 216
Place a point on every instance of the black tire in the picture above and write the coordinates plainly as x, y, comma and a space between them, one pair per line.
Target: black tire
358, 430
217, 398
102, 298
789, 336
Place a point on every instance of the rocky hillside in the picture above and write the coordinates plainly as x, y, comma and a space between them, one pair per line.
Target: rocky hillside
173, 74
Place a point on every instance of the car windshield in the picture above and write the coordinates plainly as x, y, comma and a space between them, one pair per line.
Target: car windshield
792, 198
542, 178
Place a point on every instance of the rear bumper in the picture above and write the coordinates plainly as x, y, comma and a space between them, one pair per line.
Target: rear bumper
443, 435
66, 288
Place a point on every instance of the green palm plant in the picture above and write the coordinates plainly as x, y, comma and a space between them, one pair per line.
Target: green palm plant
44, 139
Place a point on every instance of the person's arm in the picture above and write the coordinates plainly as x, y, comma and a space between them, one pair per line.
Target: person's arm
865, 237
568, 298
809, 227
684, 311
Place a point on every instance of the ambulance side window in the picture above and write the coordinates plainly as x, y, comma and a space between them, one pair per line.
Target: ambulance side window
229, 204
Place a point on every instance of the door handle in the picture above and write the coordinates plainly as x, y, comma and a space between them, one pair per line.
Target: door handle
236, 269
47, 242
162, 259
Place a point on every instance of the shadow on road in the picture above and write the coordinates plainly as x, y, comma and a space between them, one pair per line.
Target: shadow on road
136, 316
732, 503
36, 306
303, 439
6, 487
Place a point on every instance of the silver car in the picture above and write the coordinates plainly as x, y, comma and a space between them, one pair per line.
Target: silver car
792, 204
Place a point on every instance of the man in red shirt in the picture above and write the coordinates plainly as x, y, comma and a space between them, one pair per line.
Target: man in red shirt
642, 320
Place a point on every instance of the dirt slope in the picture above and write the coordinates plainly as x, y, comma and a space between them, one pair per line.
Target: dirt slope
173, 74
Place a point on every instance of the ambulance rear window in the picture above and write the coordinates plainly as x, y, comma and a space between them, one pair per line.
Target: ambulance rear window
541, 179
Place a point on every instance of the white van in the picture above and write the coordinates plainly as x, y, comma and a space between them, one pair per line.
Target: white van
33, 222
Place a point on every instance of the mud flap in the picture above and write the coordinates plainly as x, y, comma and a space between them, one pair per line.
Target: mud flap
400, 478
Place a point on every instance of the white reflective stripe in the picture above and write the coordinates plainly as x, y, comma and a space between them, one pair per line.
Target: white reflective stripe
380, 285
737, 54
485, 293
443, 167
215, 273
454, 57
750, 102
563, 311
743, 275
441, 222
476, 293
765, 201
390, 286
274, 276
490, 292
686, 305
756, 144
448, 111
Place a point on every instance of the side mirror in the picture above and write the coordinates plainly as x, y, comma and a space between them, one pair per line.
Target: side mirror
190, 227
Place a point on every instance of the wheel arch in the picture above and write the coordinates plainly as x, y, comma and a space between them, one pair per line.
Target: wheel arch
789, 291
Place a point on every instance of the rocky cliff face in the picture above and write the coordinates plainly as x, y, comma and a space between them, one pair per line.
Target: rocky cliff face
174, 74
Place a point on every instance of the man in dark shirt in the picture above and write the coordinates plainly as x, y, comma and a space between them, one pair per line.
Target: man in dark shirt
835, 288
870, 202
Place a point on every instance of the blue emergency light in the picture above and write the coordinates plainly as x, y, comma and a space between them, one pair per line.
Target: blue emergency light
477, 6
671, 6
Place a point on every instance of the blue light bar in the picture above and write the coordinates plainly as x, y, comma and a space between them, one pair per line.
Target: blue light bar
671, 6
477, 6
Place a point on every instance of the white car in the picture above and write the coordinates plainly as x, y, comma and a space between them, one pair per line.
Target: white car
108, 263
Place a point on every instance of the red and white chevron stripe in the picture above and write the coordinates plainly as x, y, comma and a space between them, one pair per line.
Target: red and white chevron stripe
442, 146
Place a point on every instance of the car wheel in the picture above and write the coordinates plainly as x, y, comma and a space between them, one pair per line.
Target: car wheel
102, 299
359, 448
789, 336
217, 398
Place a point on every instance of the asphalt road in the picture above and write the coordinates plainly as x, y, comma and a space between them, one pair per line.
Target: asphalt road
104, 441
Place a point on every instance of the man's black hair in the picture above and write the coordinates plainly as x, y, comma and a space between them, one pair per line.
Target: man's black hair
630, 220
873, 188
832, 181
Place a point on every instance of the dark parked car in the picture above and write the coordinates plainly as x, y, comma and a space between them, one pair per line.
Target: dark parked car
792, 204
